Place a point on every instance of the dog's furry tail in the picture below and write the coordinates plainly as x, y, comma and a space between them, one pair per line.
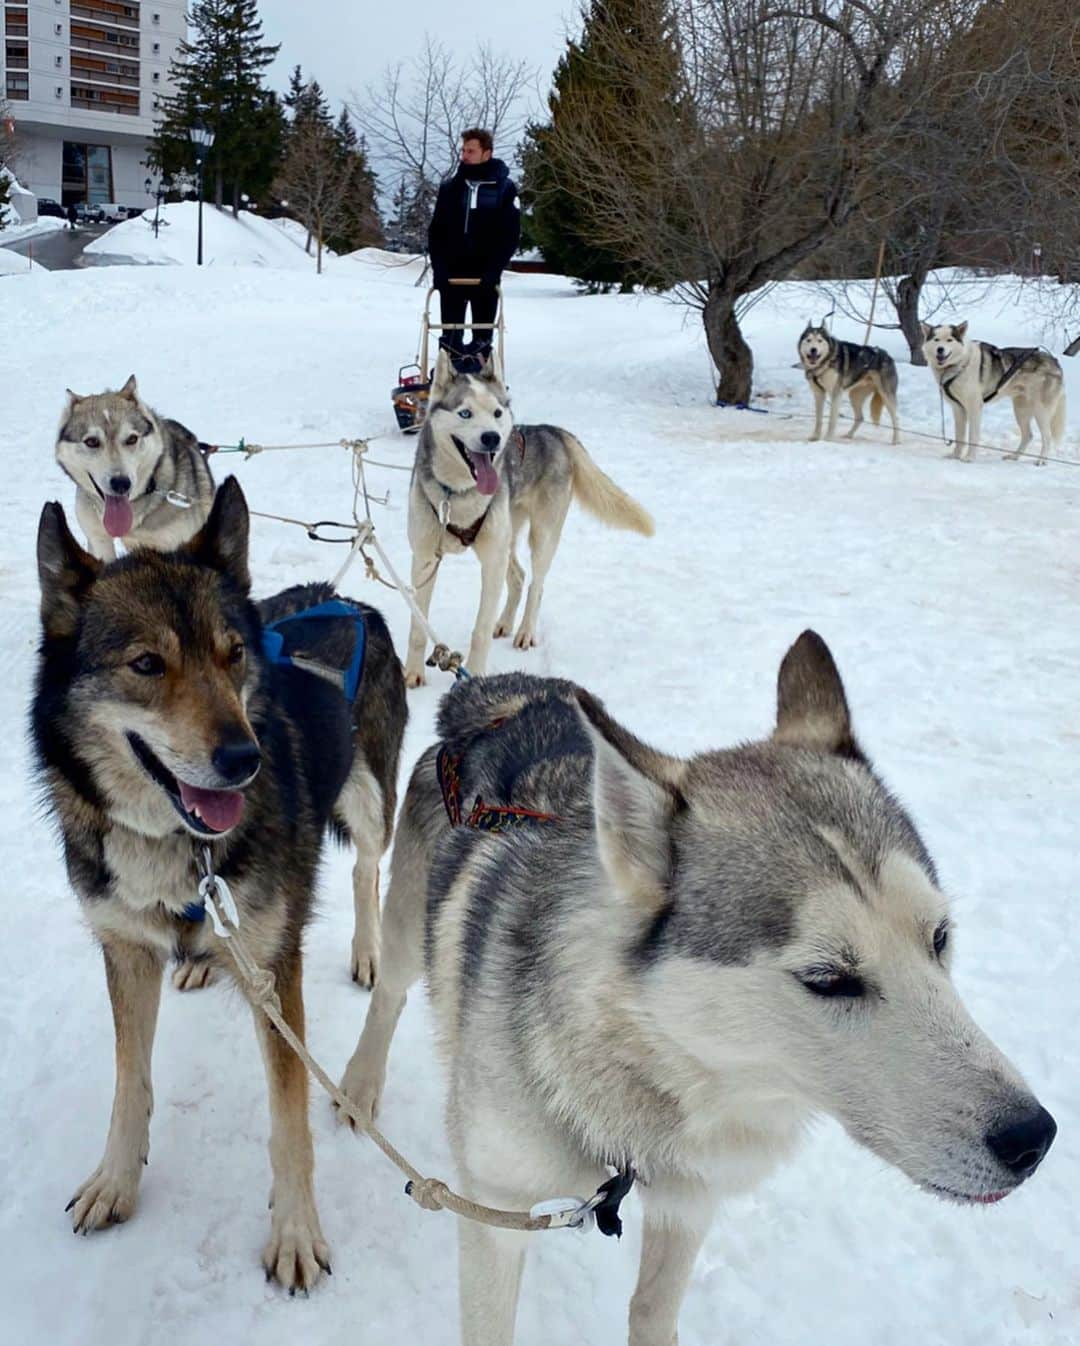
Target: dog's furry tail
877, 406
599, 495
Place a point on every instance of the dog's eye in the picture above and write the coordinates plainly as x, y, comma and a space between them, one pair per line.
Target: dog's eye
465, 414
236, 654
150, 665
941, 939
131, 439
92, 442
498, 413
826, 983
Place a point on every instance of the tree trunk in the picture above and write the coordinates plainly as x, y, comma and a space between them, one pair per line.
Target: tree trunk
907, 310
731, 355
318, 245
219, 189
236, 200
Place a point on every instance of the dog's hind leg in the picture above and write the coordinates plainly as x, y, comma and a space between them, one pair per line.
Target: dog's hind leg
544, 533
108, 1196
296, 1253
360, 804
402, 961
1044, 418
858, 396
1022, 410
668, 1252
515, 580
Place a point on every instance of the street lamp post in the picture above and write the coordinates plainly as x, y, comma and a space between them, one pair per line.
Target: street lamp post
164, 187
202, 137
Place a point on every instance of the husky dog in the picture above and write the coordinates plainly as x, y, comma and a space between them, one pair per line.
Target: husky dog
164, 726
668, 966
971, 373
127, 461
835, 367
476, 482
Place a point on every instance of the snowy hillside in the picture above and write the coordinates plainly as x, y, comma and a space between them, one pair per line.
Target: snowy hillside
948, 593
247, 240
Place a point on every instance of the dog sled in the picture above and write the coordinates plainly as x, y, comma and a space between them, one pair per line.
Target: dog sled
410, 396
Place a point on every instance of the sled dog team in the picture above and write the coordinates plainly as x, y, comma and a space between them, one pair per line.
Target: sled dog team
968, 373
638, 962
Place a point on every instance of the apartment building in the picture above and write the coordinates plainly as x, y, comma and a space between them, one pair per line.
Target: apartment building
82, 80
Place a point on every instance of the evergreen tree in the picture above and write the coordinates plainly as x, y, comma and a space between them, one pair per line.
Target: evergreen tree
630, 59
218, 79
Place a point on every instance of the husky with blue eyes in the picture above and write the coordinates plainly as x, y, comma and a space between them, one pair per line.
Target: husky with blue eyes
477, 480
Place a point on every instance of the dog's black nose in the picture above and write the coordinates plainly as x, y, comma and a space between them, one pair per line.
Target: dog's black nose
119, 485
236, 760
1021, 1146
490, 439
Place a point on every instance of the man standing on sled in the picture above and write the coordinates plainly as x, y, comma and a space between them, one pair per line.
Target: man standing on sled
473, 234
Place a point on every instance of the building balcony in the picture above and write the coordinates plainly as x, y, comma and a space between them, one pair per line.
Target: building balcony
84, 41
103, 12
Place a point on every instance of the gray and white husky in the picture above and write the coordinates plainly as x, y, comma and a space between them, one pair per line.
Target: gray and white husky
140, 478
673, 967
972, 373
833, 368
477, 480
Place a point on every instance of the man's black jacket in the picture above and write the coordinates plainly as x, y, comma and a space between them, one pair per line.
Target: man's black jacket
476, 224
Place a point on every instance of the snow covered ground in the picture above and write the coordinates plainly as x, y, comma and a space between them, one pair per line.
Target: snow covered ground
948, 593
247, 240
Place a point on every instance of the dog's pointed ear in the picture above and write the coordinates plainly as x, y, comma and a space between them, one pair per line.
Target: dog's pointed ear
635, 797
926, 330
811, 708
444, 375
72, 398
65, 572
960, 329
490, 371
222, 542
129, 390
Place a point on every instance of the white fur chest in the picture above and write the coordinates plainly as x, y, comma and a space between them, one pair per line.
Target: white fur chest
824, 376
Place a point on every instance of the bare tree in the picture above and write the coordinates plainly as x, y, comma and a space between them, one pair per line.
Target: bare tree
414, 115
315, 182
765, 153
982, 174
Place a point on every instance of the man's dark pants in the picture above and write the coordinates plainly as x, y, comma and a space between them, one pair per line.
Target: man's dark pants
484, 302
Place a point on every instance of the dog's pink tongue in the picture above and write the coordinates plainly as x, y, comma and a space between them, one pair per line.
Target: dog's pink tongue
487, 479
118, 516
219, 809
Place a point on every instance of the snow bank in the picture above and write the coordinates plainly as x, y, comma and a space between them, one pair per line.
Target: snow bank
948, 593
247, 240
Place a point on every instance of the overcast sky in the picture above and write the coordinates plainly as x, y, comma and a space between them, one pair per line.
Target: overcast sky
347, 43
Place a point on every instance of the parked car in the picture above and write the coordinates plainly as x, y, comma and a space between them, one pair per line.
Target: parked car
133, 212
47, 206
88, 214
113, 212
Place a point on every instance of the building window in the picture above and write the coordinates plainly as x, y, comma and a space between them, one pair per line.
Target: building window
157, 18
58, 29
58, 61
59, 91
157, 48
18, 87
157, 76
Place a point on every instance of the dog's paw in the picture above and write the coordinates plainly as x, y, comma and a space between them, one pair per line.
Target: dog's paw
414, 679
364, 965
106, 1197
193, 974
1010, 457
813, 439
296, 1253
363, 1087
525, 639
501, 631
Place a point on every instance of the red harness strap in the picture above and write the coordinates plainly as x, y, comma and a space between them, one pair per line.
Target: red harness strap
482, 817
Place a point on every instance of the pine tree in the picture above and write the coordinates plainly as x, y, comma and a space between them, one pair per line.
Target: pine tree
624, 55
218, 78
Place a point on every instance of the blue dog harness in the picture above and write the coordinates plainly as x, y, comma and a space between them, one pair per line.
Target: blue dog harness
273, 645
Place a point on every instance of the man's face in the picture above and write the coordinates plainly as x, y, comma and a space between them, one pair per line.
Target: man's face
472, 152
